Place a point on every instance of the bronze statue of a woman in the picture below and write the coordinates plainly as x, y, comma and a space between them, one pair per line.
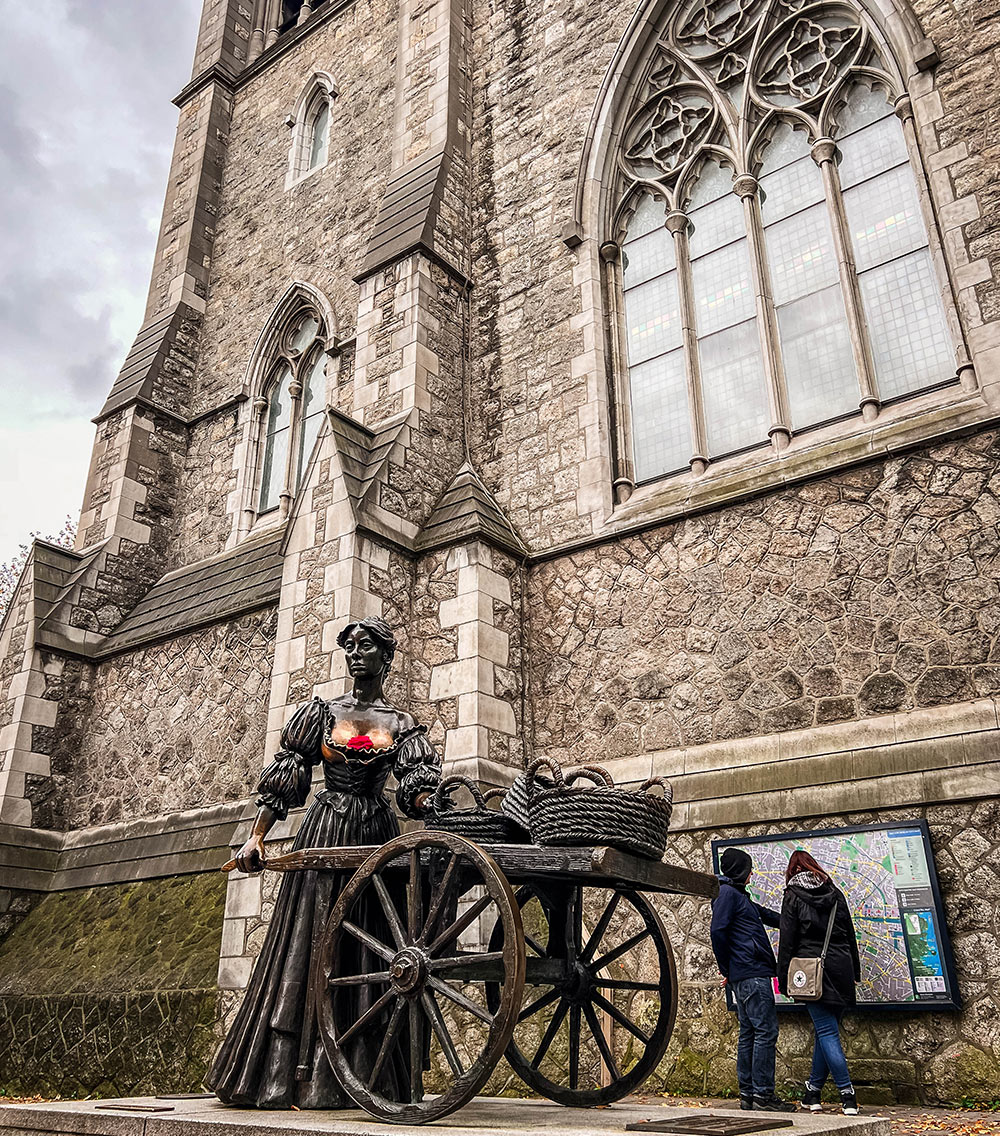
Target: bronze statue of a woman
270, 1058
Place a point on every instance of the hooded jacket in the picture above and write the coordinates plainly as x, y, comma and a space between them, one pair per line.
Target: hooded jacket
805, 912
742, 948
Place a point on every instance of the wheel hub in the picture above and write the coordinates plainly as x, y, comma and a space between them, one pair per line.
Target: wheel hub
408, 970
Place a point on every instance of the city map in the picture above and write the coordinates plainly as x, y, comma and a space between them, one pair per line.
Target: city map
886, 879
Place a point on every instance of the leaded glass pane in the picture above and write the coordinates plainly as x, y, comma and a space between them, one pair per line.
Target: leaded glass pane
320, 136
801, 254
652, 318
650, 256
717, 224
790, 189
273, 471
732, 383
907, 326
279, 412
884, 218
661, 416
878, 147
864, 106
711, 183
784, 147
723, 291
819, 362
649, 215
303, 332
313, 407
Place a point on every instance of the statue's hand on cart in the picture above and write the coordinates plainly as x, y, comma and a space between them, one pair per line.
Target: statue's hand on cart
251, 857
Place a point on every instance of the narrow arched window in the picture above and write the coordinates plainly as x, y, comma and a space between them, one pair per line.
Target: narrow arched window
295, 400
319, 133
771, 245
310, 123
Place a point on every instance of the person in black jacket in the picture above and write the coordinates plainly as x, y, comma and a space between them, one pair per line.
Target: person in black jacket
810, 896
746, 960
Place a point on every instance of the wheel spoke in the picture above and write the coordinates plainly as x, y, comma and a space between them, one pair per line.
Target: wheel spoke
416, 1055
577, 940
438, 898
535, 946
463, 960
538, 1004
360, 979
372, 1012
459, 999
391, 914
460, 924
622, 948
602, 1041
441, 1031
574, 1047
550, 1033
413, 925
602, 925
624, 984
372, 944
619, 1017
391, 1034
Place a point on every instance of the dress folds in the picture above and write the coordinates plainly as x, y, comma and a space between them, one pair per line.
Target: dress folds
270, 1038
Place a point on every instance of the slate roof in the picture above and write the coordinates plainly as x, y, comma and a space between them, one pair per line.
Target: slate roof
152, 346
362, 452
467, 509
249, 577
408, 210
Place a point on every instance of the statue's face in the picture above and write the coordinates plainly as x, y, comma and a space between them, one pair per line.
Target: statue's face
365, 658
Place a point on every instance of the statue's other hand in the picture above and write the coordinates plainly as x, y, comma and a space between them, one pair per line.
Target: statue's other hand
251, 857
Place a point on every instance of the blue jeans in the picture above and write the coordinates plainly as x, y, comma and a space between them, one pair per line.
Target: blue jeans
828, 1053
758, 1018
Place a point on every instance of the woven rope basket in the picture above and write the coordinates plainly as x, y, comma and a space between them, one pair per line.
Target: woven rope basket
480, 823
570, 813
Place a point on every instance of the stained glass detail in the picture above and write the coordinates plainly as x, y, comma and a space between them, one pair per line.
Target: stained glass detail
863, 107
874, 149
649, 216
784, 146
819, 361
652, 318
650, 256
884, 218
723, 288
906, 322
801, 254
732, 380
711, 183
661, 416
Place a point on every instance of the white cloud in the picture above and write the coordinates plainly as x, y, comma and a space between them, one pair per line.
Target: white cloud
86, 133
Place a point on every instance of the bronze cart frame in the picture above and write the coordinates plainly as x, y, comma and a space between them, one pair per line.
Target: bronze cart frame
432, 888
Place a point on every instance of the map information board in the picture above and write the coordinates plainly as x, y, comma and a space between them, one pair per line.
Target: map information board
886, 873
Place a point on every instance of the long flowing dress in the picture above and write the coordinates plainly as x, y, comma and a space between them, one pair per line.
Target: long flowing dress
271, 1048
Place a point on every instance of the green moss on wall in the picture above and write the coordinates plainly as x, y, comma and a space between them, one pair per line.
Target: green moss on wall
112, 991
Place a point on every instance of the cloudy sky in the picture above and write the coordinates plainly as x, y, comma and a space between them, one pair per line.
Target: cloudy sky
86, 133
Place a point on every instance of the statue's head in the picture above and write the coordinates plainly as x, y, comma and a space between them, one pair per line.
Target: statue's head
370, 646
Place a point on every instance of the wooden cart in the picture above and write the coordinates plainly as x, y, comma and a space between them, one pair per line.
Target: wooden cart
575, 983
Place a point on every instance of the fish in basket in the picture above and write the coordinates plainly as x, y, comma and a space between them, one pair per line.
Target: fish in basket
567, 812
479, 823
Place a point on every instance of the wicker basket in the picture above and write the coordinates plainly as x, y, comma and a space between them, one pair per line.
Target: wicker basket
481, 824
568, 813
515, 802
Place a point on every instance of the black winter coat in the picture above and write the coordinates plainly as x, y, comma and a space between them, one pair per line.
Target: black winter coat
804, 916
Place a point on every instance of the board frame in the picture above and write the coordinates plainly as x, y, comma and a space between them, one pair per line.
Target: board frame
954, 1001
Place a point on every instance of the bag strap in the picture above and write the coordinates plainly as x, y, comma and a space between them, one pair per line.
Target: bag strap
829, 929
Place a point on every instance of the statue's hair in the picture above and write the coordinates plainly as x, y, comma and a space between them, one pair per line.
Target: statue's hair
379, 630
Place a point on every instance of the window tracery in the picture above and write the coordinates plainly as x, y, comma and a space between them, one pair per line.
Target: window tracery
291, 409
770, 238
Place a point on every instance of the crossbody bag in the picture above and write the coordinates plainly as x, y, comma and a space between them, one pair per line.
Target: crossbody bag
805, 975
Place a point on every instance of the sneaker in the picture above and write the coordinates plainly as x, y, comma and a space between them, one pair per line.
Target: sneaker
746, 1103
810, 1099
849, 1102
773, 1104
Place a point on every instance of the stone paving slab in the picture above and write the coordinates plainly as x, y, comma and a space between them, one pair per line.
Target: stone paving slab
484, 1117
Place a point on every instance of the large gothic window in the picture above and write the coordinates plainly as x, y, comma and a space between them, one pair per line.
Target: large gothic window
770, 233
291, 408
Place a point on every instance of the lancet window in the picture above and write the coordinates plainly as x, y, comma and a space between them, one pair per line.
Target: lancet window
771, 240
291, 409
310, 125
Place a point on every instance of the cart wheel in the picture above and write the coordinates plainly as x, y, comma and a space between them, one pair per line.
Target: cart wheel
390, 965
601, 993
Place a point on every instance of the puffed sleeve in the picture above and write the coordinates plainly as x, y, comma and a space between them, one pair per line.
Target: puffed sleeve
417, 769
285, 783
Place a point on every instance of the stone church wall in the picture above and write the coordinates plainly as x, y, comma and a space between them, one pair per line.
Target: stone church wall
173, 726
871, 591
